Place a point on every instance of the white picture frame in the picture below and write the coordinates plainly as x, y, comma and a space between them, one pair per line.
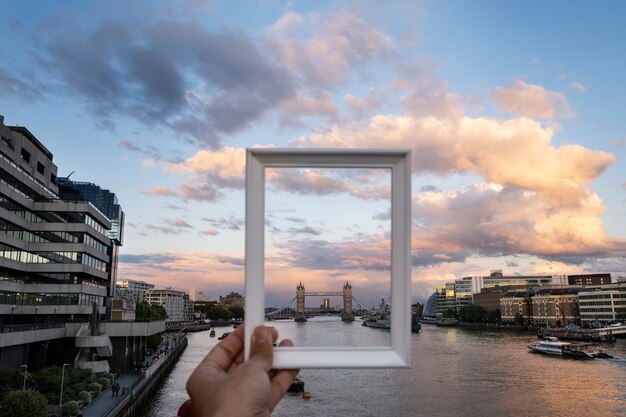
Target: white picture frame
399, 162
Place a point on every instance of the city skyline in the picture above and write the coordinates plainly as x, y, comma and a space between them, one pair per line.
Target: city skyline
512, 113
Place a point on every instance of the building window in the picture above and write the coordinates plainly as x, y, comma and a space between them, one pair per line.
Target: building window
25, 155
40, 168
8, 142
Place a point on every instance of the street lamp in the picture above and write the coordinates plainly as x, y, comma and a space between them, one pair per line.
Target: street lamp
36, 309
93, 363
12, 308
24, 385
62, 378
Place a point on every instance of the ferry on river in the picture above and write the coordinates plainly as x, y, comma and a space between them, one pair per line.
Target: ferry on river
553, 346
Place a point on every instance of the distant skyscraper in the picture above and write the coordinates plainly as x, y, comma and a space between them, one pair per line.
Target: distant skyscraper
192, 294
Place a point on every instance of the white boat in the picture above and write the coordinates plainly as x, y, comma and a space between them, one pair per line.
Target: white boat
550, 345
553, 346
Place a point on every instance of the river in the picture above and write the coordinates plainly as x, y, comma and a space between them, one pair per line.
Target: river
454, 372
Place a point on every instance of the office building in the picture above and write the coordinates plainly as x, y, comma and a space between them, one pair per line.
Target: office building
58, 258
606, 304
132, 290
178, 306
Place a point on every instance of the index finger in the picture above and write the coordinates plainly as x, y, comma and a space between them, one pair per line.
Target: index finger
225, 352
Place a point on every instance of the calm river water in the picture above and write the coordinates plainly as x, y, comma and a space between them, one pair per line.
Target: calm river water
454, 372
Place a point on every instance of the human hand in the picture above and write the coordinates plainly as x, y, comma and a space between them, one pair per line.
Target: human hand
223, 385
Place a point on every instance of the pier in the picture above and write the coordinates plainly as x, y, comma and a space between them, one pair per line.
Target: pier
602, 334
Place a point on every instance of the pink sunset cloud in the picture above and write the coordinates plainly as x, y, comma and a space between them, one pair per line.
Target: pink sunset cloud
531, 100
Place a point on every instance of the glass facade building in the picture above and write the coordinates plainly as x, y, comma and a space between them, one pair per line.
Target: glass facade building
48, 236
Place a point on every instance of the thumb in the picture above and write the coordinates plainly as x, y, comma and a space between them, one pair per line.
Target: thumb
261, 348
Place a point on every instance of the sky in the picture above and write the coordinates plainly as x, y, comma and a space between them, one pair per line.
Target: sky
513, 112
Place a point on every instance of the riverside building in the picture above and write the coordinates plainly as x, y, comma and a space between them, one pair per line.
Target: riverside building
454, 295
58, 261
178, 306
606, 303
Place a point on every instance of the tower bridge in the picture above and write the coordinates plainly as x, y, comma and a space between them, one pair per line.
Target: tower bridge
300, 313
301, 294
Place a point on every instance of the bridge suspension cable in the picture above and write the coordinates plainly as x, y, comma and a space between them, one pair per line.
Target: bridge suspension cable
360, 304
279, 310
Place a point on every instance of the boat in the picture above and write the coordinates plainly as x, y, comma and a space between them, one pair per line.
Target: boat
377, 323
553, 346
224, 335
379, 318
415, 324
212, 333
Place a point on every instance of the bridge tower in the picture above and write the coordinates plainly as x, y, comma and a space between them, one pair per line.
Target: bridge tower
347, 314
300, 314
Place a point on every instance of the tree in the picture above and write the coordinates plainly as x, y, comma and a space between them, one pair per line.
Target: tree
472, 313
24, 404
450, 313
215, 312
238, 312
494, 316
149, 312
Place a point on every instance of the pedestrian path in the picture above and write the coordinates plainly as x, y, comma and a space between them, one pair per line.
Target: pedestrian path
105, 401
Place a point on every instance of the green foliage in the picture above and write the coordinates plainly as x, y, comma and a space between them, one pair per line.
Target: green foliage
70, 408
94, 387
450, 313
10, 380
115, 371
237, 312
215, 312
85, 397
494, 316
51, 397
24, 404
149, 312
472, 313
109, 376
105, 382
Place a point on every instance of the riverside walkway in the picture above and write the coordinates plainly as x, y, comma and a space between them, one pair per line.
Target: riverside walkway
101, 405
105, 405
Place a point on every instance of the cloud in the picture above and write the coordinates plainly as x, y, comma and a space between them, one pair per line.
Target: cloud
317, 103
210, 232
619, 142
152, 259
323, 48
171, 74
212, 172
325, 255
578, 87
149, 150
362, 107
531, 100
491, 220
514, 152
307, 230
423, 258
229, 223
12, 85
170, 226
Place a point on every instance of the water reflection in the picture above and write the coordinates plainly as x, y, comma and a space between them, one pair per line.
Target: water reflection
455, 372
